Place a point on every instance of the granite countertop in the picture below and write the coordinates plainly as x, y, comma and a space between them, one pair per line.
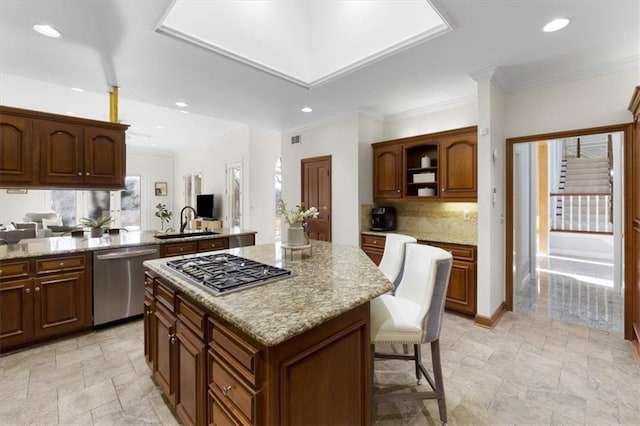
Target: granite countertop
334, 279
431, 236
67, 244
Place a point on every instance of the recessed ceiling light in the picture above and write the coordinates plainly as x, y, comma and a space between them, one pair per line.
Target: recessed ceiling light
77, 89
47, 30
182, 104
306, 109
184, 112
555, 25
159, 127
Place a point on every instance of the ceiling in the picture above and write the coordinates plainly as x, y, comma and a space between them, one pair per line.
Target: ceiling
109, 43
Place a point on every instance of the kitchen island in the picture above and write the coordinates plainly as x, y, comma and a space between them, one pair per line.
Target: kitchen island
294, 351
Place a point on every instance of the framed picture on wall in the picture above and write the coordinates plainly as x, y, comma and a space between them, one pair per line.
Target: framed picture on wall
161, 188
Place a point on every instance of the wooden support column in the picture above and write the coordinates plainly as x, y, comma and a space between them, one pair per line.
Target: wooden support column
543, 198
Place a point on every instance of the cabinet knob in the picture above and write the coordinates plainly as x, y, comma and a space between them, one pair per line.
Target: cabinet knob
27, 290
79, 173
173, 339
37, 289
442, 189
87, 174
149, 312
225, 389
0, 271
61, 264
398, 190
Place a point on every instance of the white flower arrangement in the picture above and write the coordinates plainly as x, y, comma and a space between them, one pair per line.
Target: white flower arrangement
297, 214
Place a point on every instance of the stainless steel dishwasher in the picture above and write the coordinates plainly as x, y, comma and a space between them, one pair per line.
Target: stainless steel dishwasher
118, 282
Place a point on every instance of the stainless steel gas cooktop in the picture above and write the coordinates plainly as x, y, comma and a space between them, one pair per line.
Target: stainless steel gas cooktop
225, 273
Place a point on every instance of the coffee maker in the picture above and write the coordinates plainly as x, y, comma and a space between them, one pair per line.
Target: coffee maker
383, 219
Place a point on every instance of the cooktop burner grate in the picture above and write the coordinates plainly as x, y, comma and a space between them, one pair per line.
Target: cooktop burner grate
225, 273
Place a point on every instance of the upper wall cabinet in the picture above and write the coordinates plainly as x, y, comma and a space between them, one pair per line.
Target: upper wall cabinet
387, 160
436, 167
41, 150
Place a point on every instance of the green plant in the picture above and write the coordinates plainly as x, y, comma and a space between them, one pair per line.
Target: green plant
163, 214
96, 223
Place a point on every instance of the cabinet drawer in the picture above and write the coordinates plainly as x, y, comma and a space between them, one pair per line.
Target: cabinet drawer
165, 295
14, 269
55, 264
218, 412
175, 249
230, 390
213, 244
373, 241
192, 316
148, 283
458, 251
238, 353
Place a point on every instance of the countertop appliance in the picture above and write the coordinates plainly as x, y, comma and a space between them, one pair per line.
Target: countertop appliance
225, 273
118, 282
383, 219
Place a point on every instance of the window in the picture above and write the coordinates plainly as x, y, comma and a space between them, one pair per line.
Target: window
122, 206
278, 197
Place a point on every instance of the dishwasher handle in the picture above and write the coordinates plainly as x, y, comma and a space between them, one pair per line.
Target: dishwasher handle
113, 256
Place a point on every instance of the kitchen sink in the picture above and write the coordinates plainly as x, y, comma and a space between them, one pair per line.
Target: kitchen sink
185, 235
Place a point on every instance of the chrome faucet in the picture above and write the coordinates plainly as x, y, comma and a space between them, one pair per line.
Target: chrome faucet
186, 220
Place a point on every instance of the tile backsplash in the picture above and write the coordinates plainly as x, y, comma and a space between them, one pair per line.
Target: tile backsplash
438, 218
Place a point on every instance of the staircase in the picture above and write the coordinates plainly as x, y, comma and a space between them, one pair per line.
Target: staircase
584, 201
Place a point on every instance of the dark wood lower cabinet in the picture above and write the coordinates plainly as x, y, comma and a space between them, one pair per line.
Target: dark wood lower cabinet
44, 297
461, 294
215, 373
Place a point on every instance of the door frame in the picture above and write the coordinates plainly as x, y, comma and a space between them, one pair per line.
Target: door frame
310, 160
626, 129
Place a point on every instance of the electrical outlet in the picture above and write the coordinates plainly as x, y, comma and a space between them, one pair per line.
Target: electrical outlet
466, 215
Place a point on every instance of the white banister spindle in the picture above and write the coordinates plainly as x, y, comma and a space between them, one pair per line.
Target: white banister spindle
588, 213
579, 212
598, 213
570, 212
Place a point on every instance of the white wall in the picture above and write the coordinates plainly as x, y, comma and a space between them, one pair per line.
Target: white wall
152, 169
454, 116
339, 139
593, 102
210, 158
264, 149
370, 130
522, 213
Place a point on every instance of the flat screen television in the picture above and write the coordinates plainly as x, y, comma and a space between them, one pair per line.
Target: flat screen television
204, 206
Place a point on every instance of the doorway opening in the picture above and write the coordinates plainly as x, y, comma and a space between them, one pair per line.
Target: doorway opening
565, 223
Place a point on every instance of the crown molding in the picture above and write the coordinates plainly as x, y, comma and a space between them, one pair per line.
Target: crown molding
440, 106
602, 69
493, 74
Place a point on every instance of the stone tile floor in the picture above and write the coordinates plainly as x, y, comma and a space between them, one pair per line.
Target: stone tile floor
574, 289
528, 370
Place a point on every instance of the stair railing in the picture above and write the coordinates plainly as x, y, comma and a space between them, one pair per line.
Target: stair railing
581, 212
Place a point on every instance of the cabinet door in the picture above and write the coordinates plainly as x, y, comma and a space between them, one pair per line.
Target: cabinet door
16, 312
387, 172
16, 161
148, 330
104, 157
60, 304
213, 244
175, 249
61, 153
190, 380
461, 294
458, 169
164, 356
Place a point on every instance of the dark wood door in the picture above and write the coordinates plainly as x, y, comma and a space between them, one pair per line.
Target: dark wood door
104, 157
60, 304
458, 170
190, 386
16, 312
61, 153
316, 192
387, 172
16, 161
164, 357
